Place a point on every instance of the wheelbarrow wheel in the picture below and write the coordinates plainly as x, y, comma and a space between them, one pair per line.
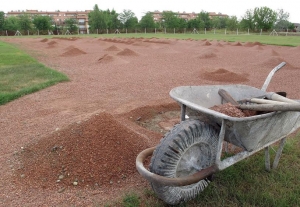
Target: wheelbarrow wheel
188, 148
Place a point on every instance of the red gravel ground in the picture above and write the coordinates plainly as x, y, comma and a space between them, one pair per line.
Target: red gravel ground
75, 143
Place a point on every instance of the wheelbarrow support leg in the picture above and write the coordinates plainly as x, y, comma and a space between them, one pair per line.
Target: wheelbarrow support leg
277, 156
183, 111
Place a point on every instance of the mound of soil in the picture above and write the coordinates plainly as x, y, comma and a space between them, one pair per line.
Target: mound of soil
274, 53
206, 43
96, 152
257, 43
73, 52
223, 75
127, 52
248, 44
154, 40
219, 44
52, 42
106, 59
44, 40
69, 39
237, 44
112, 48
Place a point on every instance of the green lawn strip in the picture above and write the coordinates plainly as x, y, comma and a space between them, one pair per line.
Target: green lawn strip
21, 74
264, 39
219, 35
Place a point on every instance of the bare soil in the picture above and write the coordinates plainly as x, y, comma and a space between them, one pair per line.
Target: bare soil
75, 143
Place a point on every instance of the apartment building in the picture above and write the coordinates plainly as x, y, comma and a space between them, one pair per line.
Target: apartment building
59, 17
157, 15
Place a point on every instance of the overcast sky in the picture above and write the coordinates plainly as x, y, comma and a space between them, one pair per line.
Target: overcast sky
139, 7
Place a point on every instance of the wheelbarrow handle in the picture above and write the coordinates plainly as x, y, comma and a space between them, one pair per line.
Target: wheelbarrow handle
268, 79
271, 107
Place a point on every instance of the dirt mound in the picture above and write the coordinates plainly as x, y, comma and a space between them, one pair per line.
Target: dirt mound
52, 42
44, 40
67, 38
257, 43
206, 43
112, 48
248, 44
219, 44
73, 52
127, 52
237, 44
106, 59
273, 61
274, 53
155, 40
223, 75
97, 152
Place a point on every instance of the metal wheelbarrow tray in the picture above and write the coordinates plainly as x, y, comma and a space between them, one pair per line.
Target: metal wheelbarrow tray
249, 133
182, 164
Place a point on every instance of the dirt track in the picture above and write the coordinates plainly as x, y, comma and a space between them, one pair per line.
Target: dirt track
87, 131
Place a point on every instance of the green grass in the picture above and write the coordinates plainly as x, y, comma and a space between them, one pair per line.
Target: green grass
21, 74
231, 36
247, 183
264, 39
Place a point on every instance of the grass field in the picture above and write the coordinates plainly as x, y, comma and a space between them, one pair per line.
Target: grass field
291, 40
265, 39
20, 74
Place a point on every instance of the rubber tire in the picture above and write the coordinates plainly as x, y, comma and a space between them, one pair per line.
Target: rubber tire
169, 159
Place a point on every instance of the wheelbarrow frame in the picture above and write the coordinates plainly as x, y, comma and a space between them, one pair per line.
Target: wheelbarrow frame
225, 123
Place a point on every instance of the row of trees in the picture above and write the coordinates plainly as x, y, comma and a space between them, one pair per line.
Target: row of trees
256, 19
25, 22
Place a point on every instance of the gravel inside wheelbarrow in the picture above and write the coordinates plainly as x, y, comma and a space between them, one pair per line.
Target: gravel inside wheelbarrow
75, 143
229, 110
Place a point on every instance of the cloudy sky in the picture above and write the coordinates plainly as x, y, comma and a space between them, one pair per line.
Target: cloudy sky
140, 7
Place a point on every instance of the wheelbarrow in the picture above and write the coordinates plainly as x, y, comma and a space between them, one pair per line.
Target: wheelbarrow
190, 153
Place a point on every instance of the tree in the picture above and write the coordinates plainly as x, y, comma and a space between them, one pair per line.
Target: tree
264, 18
11, 23
1, 20
147, 21
182, 23
218, 22
195, 23
232, 23
282, 22
113, 21
25, 22
96, 19
71, 24
99, 19
247, 21
204, 17
170, 20
128, 19
42, 22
